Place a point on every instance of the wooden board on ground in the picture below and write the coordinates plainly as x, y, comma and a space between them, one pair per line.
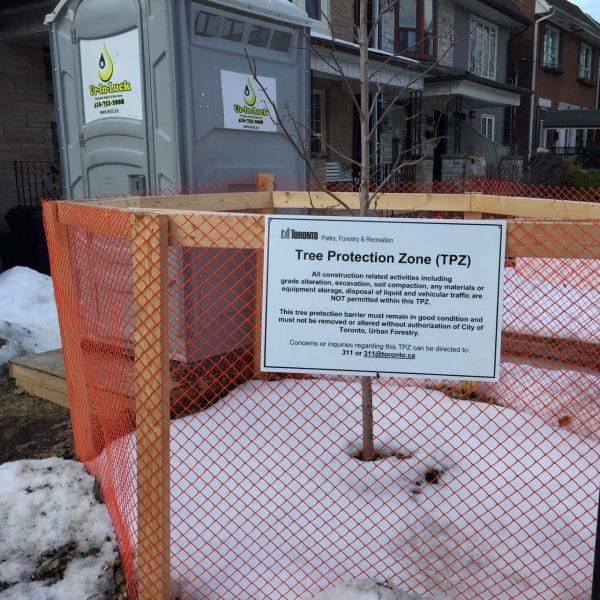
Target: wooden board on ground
42, 375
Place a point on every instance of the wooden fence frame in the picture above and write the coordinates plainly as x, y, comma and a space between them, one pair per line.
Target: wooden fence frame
194, 221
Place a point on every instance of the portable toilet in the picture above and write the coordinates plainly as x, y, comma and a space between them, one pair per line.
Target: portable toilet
164, 94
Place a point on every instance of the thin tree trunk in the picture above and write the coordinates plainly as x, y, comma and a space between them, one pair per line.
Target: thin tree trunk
368, 449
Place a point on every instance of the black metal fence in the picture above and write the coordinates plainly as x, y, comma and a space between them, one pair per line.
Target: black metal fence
585, 156
391, 173
25, 242
36, 180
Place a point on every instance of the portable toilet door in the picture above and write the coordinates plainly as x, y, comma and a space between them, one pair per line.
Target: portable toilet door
244, 81
102, 97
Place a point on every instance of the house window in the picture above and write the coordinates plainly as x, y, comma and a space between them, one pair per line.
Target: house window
313, 9
586, 61
551, 49
371, 25
488, 127
416, 27
317, 10
482, 48
317, 123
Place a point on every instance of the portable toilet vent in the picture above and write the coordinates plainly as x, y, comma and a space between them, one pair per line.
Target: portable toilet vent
164, 94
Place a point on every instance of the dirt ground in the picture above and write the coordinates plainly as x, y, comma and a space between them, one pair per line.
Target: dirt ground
32, 428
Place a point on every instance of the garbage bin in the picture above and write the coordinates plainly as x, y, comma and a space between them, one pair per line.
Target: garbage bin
27, 244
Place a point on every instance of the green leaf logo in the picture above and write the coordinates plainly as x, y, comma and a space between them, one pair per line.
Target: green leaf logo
105, 65
249, 94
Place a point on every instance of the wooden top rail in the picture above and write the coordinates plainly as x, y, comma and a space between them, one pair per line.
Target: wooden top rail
578, 238
532, 208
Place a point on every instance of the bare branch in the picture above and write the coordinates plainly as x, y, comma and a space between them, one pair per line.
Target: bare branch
296, 142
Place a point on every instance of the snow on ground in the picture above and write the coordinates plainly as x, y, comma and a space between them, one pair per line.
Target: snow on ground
28, 319
48, 514
551, 307
449, 537
512, 517
49, 517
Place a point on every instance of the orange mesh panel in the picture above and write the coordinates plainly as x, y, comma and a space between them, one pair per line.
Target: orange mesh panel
224, 482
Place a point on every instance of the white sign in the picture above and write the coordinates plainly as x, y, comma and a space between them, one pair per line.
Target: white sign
411, 298
111, 77
247, 105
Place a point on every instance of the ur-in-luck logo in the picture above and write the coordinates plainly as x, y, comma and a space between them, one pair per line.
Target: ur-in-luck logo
105, 72
105, 65
250, 101
249, 94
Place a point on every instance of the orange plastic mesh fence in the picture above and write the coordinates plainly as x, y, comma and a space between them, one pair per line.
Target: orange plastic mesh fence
227, 483
483, 186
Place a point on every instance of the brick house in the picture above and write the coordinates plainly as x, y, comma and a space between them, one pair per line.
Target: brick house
557, 57
27, 121
446, 96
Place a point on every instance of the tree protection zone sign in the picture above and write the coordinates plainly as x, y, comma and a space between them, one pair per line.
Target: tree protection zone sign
404, 297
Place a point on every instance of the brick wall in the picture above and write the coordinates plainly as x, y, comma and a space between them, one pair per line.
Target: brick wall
25, 115
342, 19
446, 37
564, 87
558, 87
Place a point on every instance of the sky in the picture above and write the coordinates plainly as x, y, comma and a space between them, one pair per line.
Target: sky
591, 7
449, 531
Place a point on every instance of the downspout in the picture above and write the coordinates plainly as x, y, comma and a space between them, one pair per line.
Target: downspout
598, 88
534, 68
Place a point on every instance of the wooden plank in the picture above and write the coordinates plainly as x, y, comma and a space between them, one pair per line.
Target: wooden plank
128, 202
571, 352
43, 392
24, 375
425, 202
42, 375
553, 239
67, 306
149, 236
537, 208
469, 386
214, 230
211, 202
265, 182
50, 362
98, 219
396, 202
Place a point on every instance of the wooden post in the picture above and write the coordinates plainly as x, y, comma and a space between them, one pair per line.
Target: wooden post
149, 236
265, 182
63, 279
469, 387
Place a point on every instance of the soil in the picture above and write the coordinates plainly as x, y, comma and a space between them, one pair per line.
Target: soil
33, 428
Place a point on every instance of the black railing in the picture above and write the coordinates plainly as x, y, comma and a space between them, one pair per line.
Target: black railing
36, 180
585, 156
392, 174
569, 152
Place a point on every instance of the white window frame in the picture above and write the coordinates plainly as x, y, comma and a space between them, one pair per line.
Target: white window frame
320, 96
551, 48
322, 20
488, 127
483, 48
586, 62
